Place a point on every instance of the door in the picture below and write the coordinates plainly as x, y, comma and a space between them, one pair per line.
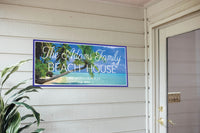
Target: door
179, 77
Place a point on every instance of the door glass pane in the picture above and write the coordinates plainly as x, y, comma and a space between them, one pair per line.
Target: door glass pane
184, 81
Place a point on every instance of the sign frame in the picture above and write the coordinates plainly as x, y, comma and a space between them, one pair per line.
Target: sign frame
78, 85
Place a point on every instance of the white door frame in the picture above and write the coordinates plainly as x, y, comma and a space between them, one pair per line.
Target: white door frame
154, 80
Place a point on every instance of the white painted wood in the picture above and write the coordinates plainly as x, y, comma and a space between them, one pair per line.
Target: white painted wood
153, 81
25, 46
88, 111
16, 45
135, 53
176, 29
70, 19
158, 7
136, 131
89, 95
86, 6
146, 70
166, 8
38, 31
13, 59
163, 80
97, 126
136, 67
133, 131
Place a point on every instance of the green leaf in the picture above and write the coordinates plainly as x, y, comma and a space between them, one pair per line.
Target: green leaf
26, 126
9, 117
23, 61
8, 109
22, 97
15, 87
35, 113
12, 71
27, 116
39, 130
29, 88
14, 124
1, 104
7, 69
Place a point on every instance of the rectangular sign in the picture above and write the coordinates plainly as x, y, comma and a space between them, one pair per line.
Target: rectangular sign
73, 64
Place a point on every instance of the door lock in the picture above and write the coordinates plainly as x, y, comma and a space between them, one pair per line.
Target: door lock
160, 108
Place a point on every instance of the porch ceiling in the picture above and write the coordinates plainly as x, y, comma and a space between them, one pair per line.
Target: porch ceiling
130, 2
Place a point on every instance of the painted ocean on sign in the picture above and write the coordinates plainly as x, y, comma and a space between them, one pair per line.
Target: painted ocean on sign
78, 64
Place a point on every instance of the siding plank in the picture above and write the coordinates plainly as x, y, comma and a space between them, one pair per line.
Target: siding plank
70, 19
89, 95
37, 31
83, 112
86, 6
14, 45
133, 131
97, 126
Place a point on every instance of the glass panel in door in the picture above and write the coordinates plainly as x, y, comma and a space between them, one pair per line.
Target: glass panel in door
183, 69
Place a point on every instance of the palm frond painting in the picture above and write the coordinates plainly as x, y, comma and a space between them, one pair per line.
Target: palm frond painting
79, 64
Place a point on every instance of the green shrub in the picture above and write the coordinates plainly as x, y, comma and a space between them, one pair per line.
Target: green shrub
11, 100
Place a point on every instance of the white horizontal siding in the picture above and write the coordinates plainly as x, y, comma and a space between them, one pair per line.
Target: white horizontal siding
133, 131
75, 96
134, 51
90, 111
78, 110
70, 19
96, 125
40, 31
85, 7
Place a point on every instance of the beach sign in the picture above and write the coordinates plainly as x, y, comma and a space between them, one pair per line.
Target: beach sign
73, 64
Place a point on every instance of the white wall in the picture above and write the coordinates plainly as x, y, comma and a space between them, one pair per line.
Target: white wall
78, 110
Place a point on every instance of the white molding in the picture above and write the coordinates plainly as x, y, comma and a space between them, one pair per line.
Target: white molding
118, 3
148, 4
146, 71
176, 16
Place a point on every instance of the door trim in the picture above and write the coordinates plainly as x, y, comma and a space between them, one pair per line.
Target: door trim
152, 85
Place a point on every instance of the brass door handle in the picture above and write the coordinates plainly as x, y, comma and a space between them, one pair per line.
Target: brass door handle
171, 123
161, 121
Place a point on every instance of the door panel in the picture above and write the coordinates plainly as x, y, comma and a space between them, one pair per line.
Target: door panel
179, 75
183, 53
